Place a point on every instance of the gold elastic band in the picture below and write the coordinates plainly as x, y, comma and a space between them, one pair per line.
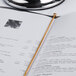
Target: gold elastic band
29, 66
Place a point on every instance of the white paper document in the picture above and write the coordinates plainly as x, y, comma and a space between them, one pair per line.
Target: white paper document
57, 56
20, 34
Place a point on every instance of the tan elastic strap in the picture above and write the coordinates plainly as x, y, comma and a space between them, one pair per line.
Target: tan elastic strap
29, 66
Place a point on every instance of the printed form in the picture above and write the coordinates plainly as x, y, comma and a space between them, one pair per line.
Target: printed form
20, 34
57, 56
